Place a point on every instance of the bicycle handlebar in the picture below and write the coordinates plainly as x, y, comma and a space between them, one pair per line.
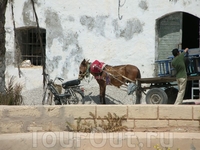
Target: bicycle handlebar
61, 79
48, 78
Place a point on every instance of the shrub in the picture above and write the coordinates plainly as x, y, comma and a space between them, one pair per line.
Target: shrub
12, 94
109, 123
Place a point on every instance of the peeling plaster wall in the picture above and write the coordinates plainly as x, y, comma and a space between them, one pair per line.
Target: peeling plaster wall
91, 29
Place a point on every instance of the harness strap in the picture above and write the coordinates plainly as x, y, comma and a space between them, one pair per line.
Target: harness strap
87, 73
107, 74
121, 76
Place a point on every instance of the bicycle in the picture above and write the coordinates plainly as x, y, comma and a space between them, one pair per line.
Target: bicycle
73, 93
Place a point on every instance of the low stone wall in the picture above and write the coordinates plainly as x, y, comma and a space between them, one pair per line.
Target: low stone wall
100, 141
20, 119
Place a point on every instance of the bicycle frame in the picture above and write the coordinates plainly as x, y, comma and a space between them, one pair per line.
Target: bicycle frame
72, 88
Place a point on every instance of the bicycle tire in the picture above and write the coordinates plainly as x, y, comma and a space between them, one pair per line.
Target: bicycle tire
47, 97
50, 98
76, 98
44, 96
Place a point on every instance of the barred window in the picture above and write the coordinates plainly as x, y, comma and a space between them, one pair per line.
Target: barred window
29, 44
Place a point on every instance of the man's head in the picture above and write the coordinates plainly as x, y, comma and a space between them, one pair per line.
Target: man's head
175, 52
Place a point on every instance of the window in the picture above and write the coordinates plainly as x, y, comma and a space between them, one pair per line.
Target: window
29, 44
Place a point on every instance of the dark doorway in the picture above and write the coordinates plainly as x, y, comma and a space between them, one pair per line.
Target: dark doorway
190, 35
190, 39
177, 30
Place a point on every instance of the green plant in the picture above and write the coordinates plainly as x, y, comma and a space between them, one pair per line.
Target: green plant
12, 94
157, 147
110, 123
114, 123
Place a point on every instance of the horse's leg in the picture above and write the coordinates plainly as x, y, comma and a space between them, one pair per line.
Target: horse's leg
104, 94
102, 87
138, 96
101, 93
138, 93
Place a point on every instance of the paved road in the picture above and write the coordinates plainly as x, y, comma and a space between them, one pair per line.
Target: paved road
114, 95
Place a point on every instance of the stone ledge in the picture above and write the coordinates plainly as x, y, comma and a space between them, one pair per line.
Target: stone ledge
181, 112
98, 141
143, 112
16, 119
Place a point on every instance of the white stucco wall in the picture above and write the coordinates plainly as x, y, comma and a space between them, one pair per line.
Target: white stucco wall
91, 29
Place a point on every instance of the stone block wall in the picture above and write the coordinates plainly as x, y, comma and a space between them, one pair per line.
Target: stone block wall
19, 119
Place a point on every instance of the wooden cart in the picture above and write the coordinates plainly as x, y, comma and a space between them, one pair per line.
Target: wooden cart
162, 90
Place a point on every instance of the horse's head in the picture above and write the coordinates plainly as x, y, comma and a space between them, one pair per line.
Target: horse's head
84, 69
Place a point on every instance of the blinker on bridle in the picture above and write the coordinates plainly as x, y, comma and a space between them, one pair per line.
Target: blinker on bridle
87, 72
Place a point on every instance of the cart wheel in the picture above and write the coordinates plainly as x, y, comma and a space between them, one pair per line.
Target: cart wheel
156, 96
171, 94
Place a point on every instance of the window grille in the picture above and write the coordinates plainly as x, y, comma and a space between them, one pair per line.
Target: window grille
30, 44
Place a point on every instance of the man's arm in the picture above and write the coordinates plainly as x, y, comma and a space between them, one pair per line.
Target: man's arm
185, 50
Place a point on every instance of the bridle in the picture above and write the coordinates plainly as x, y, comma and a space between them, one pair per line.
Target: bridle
86, 73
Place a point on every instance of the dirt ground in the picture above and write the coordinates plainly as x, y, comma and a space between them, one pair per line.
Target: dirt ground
114, 95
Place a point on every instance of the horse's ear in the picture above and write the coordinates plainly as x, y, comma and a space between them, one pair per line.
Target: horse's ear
83, 61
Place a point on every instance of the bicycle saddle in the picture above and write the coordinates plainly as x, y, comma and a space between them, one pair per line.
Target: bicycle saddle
71, 83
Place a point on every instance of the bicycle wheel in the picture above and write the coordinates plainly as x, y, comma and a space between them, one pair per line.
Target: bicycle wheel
50, 98
77, 97
44, 96
47, 97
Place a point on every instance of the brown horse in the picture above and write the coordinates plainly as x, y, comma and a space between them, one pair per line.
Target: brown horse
112, 75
